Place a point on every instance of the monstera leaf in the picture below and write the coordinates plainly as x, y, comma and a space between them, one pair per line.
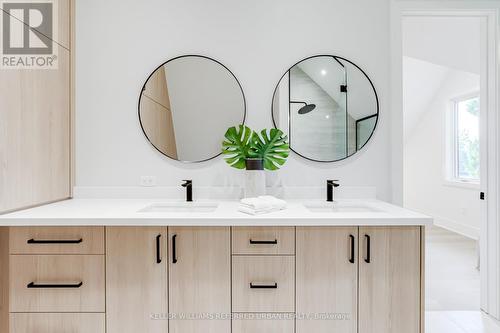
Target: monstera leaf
237, 146
272, 147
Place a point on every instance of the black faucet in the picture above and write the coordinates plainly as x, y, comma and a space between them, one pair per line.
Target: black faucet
189, 189
330, 184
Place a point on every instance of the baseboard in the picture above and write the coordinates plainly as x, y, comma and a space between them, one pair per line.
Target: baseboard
464, 230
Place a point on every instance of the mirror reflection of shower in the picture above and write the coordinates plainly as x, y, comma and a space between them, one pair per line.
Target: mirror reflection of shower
306, 108
328, 117
323, 103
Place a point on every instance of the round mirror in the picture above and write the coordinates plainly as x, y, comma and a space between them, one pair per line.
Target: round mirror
328, 107
186, 106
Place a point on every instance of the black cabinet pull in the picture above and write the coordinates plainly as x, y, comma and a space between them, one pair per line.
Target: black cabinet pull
351, 259
368, 255
174, 254
158, 249
263, 241
263, 286
54, 241
53, 286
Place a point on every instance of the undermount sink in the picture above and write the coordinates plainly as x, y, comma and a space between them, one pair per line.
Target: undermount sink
180, 207
339, 207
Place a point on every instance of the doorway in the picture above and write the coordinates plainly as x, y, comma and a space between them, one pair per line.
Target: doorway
445, 160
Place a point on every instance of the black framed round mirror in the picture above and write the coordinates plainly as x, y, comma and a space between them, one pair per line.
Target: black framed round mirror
186, 105
328, 106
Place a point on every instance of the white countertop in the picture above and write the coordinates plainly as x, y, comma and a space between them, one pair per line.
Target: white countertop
125, 212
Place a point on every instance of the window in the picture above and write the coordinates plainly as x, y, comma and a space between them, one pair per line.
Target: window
464, 164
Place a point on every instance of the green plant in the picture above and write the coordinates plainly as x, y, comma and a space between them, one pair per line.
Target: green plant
241, 143
270, 146
237, 146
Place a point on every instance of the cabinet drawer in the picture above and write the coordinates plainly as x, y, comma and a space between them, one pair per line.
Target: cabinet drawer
57, 323
56, 283
263, 284
264, 240
57, 240
264, 323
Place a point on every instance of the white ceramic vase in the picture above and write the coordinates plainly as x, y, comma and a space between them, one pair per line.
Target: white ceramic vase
255, 178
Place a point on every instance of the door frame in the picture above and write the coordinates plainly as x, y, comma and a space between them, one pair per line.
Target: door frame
490, 230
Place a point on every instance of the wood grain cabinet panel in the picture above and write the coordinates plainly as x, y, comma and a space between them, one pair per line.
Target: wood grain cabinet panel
57, 283
199, 279
389, 280
136, 280
264, 323
65, 8
4, 279
35, 139
263, 284
57, 322
263, 240
327, 277
36, 125
56, 240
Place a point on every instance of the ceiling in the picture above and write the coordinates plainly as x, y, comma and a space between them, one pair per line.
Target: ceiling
453, 42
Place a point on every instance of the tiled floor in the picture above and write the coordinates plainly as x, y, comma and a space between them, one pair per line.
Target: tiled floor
451, 277
459, 322
452, 285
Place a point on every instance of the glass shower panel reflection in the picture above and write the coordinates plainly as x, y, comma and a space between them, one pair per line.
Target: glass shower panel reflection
364, 130
317, 110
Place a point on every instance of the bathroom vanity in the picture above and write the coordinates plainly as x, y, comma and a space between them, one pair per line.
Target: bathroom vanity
129, 266
132, 266
120, 266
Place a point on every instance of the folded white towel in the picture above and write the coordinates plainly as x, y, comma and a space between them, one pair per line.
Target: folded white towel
275, 202
251, 211
256, 203
261, 205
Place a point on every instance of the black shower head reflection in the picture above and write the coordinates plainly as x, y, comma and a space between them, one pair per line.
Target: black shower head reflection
307, 108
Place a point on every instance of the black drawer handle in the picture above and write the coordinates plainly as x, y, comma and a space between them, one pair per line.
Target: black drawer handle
351, 259
263, 286
54, 241
174, 247
368, 249
158, 249
54, 286
263, 241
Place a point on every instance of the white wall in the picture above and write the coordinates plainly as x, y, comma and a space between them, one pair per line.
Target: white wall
425, 186
421, 81
119, 42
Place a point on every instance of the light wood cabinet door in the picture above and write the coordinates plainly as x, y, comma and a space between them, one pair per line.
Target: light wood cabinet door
4, 279
57, 283
263, 240
35, 135
389, 280
136, 280
56, 240
57, 323
264, 323
199, 279
326, 280
35, 126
